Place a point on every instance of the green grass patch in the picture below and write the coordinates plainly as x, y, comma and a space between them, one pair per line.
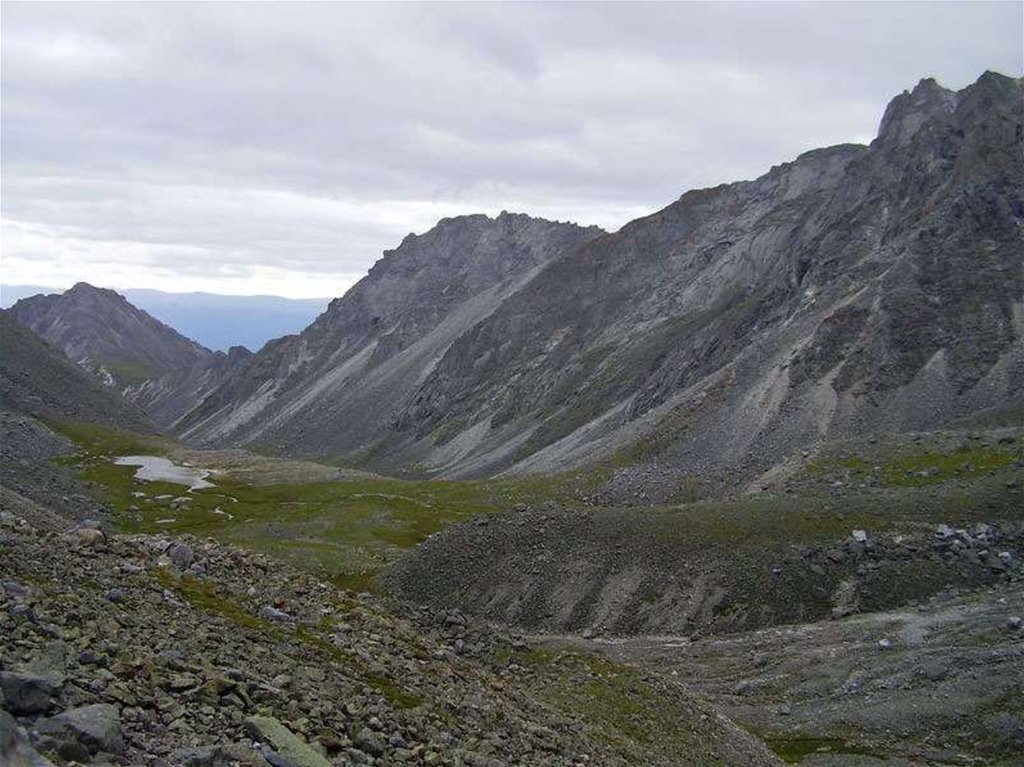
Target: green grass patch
907, 464
346, 530
131, 372
795, 750
636, 715
95, 440
203, 595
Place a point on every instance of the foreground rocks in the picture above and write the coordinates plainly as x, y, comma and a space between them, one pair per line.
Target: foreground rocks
181, 668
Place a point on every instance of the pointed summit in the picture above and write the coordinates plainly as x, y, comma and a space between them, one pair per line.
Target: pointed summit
100, 330
911, 109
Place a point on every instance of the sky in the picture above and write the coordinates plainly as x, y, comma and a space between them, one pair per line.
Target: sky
280, 148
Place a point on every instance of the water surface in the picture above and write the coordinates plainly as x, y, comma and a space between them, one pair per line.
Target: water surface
154, 468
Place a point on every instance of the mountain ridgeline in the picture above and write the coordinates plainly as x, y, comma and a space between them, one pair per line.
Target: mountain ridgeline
150, 363
853, 291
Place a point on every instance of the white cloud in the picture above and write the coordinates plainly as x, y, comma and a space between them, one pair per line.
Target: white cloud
289, 144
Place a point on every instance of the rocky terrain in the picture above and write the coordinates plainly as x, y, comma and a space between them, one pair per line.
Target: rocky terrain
38, 379
756, 457
665, 572
101, 331
855, 290
361, 359
148, 650
937, 682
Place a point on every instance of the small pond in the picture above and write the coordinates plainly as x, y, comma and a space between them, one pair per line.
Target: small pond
154, 468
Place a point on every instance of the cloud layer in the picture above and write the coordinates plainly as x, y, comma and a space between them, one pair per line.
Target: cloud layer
255, 148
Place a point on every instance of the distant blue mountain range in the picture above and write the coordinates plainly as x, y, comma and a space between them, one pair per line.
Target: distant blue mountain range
215, 321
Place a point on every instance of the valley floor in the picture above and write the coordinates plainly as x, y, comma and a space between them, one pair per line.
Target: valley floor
938, 683
262, 629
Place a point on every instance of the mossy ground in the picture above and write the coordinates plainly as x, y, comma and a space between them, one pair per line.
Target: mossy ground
350, 529
347, 530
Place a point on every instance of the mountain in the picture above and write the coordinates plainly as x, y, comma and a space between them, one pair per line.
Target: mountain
37, 380
856, 289
150, 363
332, 389
216, 321
39, 387
102, 332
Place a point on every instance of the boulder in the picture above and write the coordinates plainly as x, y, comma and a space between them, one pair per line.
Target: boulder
204, 756
273, 614
97, 727
15, 749
180, 555
26, 693
270, 731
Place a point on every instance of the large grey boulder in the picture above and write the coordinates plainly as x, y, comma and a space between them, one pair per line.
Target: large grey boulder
26, 693
97, 727
180, 554
294, 749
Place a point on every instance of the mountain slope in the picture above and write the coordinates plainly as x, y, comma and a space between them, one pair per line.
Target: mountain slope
99, 330
331, 389
151, 364
38, 384
37, 380
854, 290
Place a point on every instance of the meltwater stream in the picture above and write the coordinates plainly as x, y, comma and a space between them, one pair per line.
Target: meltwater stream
155, 468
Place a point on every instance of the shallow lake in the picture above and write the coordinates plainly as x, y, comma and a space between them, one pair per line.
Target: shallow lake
154, 468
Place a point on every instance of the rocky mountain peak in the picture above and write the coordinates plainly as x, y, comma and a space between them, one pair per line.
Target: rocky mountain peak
102, 331
911, 109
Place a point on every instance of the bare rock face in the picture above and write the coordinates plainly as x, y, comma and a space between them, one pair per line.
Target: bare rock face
855, 289
333, 388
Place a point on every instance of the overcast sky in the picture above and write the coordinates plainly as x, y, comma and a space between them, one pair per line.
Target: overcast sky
279, 148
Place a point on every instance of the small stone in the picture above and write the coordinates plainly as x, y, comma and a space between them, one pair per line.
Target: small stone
90, 536
369, 742
204, 756
860, 536
15, 589
273, 614
181, 555
884, 644
1013, 623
